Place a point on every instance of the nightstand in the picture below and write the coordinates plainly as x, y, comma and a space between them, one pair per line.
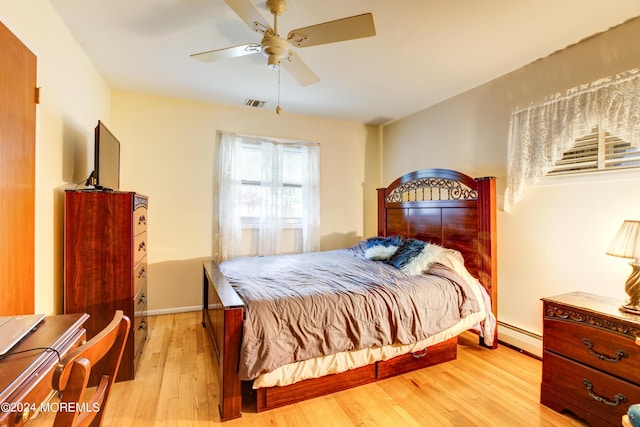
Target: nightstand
590, 362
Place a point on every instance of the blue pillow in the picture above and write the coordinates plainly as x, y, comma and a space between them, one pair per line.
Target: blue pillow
384, 241
407, 251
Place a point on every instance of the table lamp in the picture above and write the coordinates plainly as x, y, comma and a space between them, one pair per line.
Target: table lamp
627, 245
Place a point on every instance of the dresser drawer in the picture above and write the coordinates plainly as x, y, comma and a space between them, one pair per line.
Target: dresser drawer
586, 391
139, 220
598, 348
140, 276
442, 352
139, 247
139, 327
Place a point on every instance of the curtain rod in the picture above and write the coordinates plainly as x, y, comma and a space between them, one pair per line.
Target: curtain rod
278, 140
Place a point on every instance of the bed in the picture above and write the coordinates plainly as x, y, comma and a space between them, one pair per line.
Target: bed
451, 211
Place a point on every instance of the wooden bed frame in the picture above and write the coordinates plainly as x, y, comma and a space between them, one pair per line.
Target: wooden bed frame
437, 205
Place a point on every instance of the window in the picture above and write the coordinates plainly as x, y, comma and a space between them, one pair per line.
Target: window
597, 151
592, 127
260, 181
269, 196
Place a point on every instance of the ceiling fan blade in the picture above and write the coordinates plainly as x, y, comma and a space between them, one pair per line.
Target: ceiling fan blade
354, 27
299, 70
229, 52
249, 14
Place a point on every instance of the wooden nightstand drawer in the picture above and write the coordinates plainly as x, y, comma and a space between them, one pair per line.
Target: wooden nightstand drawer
604, 350
591, 393
590, 360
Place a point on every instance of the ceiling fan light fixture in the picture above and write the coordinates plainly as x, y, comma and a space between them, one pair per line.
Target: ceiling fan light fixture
275, 49
273, 62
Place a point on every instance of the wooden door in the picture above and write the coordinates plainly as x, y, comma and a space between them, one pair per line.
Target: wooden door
17, 174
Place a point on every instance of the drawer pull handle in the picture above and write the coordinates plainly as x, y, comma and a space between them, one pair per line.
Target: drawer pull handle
143, 327
142, 273
619, 398
142, 220
143, 299
142, 247
620, 354
419, 355
25, 415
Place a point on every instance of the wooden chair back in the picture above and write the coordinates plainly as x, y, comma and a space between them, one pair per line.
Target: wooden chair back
78, 407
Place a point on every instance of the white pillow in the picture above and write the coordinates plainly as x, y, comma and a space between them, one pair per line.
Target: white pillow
430, 255
380, 252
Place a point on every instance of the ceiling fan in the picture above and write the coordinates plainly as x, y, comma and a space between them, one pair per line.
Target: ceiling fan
277, 49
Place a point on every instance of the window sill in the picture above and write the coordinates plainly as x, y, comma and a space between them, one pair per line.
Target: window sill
291, 224
587, 177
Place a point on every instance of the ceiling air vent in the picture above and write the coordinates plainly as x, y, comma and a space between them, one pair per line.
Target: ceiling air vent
254, 103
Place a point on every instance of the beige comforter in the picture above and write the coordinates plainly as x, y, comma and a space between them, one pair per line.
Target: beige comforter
299, 307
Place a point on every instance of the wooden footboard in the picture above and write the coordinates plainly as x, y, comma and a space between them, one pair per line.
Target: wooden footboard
222, 315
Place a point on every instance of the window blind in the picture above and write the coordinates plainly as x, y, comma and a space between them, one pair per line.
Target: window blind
597, 151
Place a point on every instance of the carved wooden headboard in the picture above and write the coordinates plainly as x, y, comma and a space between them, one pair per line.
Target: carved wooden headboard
450, 209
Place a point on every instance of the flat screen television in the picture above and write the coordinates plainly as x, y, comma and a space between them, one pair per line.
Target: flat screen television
106, 160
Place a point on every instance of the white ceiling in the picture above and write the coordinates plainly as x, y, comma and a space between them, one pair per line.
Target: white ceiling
425, 51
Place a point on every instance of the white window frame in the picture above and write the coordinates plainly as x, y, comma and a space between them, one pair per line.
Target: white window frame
253, 222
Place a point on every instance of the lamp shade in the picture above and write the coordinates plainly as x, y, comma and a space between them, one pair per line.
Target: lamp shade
627, 242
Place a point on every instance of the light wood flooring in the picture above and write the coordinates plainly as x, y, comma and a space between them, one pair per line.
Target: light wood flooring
176, 385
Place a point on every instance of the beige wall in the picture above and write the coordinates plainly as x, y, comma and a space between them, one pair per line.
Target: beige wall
168, 153
73, 97
554, 240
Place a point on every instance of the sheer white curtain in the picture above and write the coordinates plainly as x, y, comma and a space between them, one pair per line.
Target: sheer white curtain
541, 133
271, 202
230, 220
270, 220
311, 198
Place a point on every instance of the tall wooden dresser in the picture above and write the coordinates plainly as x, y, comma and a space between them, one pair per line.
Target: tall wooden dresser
105, 264
590, 363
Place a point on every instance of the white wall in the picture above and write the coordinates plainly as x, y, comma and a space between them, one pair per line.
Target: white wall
554, 240
73, 97
168, 153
